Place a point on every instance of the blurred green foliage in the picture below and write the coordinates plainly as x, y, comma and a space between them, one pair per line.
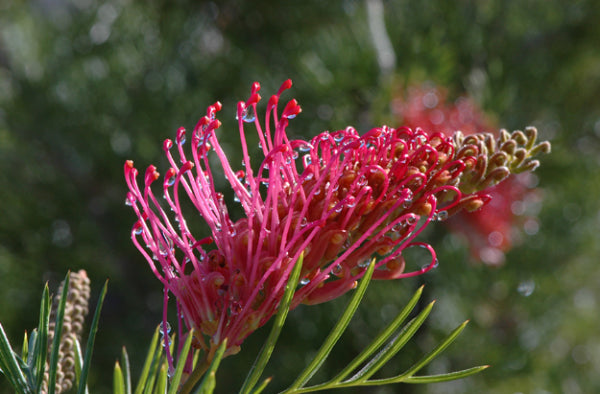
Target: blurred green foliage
85, 85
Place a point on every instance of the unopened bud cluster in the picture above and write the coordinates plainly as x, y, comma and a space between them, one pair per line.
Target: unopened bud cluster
76, 309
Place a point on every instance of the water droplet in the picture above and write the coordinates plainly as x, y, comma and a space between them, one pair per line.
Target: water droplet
398, 227
307, 160
364, 263
338, 138
171, 180
248, 115
337, 269
304, 148
440, 216
291, 116
304, 281
526, 288
162, 326
324, 137
138, 230
164, 248
426, 267
181, 139
128, 202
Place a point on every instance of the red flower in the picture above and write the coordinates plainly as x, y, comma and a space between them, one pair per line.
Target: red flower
492, 230
338, 199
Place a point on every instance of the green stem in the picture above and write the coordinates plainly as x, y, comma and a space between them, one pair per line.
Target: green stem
197, 373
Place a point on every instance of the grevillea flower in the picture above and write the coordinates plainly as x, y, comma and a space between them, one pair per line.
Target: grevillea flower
338, 200
492, 230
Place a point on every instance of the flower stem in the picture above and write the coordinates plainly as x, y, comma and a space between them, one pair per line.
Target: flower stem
197, 373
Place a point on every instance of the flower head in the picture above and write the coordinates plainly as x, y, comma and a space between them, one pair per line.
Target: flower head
337, 199
490, 231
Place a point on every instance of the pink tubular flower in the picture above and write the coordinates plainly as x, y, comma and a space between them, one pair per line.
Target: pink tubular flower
338, 199
490, 231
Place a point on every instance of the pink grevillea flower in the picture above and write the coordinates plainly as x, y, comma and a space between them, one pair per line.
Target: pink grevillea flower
491, 231
338, 199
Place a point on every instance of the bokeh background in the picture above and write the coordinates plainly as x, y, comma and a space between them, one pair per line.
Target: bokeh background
87, 84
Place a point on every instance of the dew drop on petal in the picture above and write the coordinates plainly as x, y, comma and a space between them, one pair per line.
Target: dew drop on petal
307, 160
304, 148
337, 269
440, 216
304, 281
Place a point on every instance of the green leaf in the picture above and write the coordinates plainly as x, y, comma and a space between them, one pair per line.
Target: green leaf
183, 356
381, 358
381, 338
267, 349
161, 381
10, 365
41, 343
336, 332
446, 376
208, 383
437, 350
58, 326
78, 361
126, 370
118, 381
148, 363
89, 348
262, 386
25, 348
154, 371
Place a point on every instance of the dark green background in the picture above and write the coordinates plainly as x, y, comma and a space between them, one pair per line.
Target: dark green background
85, 85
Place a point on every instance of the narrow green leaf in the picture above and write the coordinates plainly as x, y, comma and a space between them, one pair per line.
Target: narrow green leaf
161, 381
445, 377
41, 343
389, 351
78, 361
148, 362
336, 332
262, 386
32, 339
208, 383
10, 365
126, 370
155, 366
267, 349
89, 347
58, 325
25, 347
118, 381
435, 352
381, 338
183, 356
